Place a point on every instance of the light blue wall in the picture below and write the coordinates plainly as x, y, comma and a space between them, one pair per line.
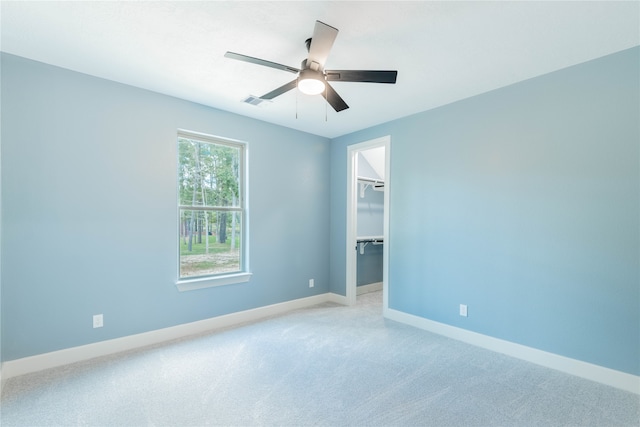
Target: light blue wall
370, 212
89, 210
0, 234
522, 203
369, 265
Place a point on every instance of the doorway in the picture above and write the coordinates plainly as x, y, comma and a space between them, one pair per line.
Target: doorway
368, 167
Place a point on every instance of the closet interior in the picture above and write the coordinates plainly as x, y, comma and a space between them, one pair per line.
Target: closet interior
370, 217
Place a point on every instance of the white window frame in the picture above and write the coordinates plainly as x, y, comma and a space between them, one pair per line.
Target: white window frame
187, 284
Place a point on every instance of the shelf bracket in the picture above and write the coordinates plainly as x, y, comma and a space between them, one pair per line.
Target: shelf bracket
363, 188
362, 246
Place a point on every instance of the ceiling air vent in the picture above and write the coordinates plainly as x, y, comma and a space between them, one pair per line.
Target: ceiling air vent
253, 100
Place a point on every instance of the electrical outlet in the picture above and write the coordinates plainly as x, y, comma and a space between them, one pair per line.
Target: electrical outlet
463, 310
98, 321
311, 283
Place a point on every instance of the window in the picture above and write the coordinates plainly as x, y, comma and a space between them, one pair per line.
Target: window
212, 210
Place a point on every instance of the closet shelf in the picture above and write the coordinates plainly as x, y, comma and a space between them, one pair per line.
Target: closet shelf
374, 183
370, 239
363, 241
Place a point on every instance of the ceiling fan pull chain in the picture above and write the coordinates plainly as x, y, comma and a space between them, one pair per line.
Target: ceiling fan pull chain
325, 104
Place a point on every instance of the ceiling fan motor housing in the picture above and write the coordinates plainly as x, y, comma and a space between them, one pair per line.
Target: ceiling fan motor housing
312, 65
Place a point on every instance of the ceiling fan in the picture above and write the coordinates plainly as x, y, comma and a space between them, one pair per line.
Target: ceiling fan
312, 78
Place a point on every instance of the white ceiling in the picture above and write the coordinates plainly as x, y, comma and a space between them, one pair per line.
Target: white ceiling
443, 51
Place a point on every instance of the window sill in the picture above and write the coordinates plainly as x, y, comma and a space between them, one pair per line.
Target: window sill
209, 282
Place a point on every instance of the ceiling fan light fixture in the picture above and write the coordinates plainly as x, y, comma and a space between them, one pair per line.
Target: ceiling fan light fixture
311, 82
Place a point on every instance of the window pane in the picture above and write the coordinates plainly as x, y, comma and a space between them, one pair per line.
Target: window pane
209, 242
208, 173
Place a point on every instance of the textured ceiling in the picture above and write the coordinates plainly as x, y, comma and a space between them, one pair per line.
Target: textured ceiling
443, 51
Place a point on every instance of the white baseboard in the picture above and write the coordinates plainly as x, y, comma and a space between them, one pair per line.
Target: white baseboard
338, 299
371, 287
14, 368
610, 377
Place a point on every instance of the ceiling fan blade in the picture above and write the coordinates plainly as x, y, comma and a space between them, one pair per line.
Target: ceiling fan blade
258, 61
361, 76
323, 37
334, 99
282, 89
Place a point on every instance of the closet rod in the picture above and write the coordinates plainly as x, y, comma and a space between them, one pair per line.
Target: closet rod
371, 180
370, 239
